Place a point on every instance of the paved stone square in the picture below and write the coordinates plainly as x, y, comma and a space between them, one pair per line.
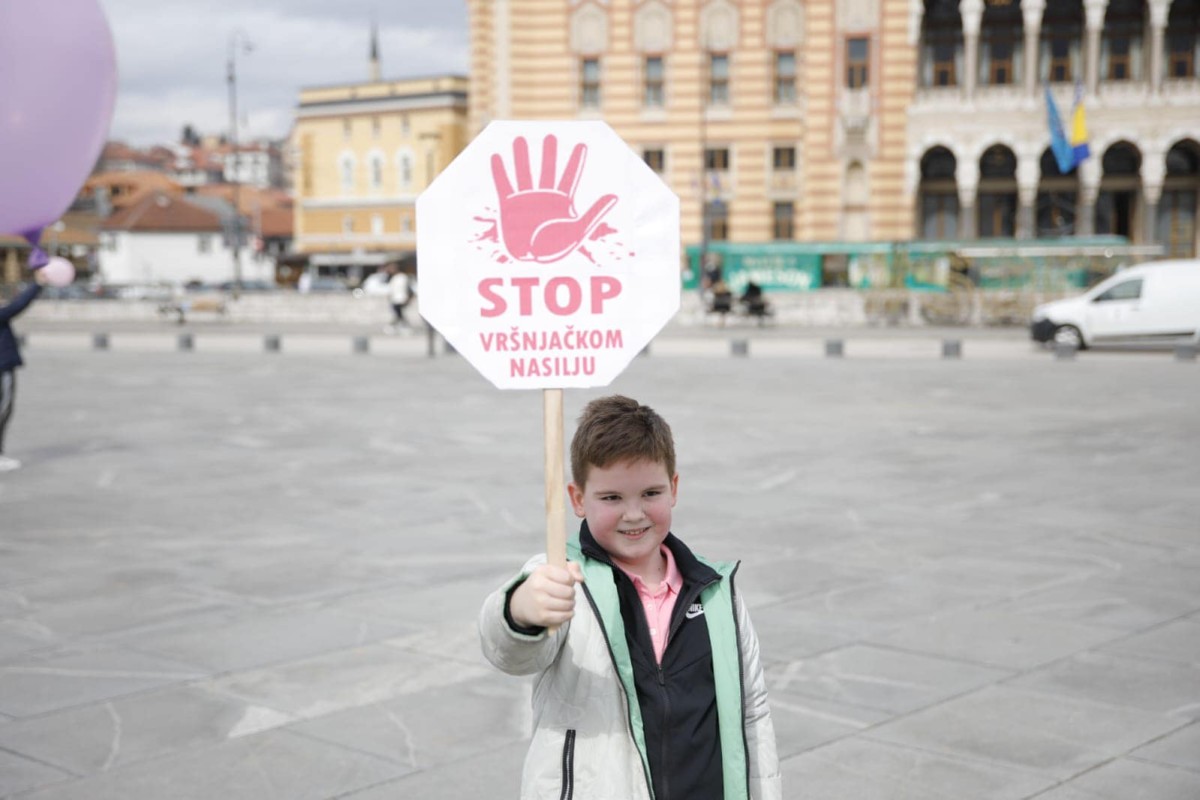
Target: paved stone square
236, 574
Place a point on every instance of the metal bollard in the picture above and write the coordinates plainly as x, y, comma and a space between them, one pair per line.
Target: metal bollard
185, 342
100, 341
1186, 352
1064, 351
834, 348
739, 347
362, 344
951, 348
271, 343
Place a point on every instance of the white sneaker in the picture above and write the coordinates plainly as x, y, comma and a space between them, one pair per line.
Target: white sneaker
8, 464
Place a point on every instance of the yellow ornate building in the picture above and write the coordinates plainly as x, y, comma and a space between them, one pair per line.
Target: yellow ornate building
772, 119
363, 152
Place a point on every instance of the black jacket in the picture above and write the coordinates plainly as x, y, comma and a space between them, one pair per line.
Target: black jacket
678, 699
10, 356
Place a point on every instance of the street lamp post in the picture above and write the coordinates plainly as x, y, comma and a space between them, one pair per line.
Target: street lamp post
237, 40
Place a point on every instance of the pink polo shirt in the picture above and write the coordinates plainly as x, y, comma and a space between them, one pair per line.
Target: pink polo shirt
659, 601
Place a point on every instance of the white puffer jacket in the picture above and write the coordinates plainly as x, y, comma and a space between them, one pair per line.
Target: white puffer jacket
585, 731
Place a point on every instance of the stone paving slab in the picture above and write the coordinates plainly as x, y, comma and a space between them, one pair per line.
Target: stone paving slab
245, 574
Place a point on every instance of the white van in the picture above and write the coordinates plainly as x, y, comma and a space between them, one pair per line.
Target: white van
1152, 304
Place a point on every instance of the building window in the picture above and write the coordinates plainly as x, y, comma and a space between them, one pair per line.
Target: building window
785, 79
204, 243
1121, 54
375, 127
716, 217
783, 158
1062, 30
943, 56
405, 130
406, 171
716, 159
347, 171
655, 158
589, 83
939, 216
1181, 61
718, 79
347, 224
784, 227
376, 224
942, 35
858, 60
376, 172
653, 75
405, 223
1000, 62
346, 130
1119, 59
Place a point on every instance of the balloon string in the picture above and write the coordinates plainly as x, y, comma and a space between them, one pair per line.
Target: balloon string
38, 258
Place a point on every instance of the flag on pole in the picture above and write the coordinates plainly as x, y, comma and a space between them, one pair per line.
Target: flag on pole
1064, 155
1080, 146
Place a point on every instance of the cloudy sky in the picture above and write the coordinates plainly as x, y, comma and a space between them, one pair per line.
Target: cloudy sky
172, 55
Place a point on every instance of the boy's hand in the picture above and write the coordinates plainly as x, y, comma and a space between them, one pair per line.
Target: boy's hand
546, 599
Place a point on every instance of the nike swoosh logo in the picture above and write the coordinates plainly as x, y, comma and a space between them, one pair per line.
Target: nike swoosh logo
694, 612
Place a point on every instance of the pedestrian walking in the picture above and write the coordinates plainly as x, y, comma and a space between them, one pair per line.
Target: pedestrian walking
655, 687
10, 360
400, 293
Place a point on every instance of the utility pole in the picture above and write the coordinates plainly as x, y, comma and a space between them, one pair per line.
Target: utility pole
236, 38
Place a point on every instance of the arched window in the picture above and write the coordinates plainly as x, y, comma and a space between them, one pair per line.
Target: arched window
375, 170
1176, 226
1056, 198
346, 167
938, 195
941, 44
856, 225
1001, 46
1121, 51
997, 192
1183, 39
784, 33
404, 169
1062, 33
1120, 187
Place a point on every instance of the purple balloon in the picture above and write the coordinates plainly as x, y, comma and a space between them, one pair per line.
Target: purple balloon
58, 85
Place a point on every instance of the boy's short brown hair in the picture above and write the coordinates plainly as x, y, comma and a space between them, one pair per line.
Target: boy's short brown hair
614, 429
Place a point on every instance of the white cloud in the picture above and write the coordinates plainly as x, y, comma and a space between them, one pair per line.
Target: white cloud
172, 62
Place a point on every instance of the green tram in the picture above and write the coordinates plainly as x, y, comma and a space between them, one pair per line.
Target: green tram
1042, 265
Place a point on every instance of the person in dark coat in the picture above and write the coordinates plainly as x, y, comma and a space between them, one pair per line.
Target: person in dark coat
10, 359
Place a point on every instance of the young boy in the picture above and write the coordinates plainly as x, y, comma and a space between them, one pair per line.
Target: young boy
651, 684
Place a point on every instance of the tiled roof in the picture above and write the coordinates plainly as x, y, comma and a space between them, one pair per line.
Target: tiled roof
128, 188
277, 223
163, 212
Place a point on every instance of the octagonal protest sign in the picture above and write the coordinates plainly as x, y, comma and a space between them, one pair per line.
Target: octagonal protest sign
548, 254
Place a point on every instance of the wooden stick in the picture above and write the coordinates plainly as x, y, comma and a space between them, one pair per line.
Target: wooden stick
556, 521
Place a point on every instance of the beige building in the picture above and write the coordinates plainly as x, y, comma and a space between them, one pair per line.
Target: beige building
870, 120
740, 105
363, 152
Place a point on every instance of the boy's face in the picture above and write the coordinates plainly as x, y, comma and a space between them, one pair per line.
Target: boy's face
628, 509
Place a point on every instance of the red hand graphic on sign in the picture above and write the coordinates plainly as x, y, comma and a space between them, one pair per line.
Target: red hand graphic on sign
542, 224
